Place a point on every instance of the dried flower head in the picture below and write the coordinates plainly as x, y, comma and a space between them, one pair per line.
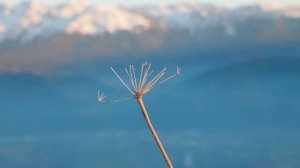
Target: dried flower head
140, 84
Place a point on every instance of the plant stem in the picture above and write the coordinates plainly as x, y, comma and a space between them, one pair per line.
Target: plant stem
155, 136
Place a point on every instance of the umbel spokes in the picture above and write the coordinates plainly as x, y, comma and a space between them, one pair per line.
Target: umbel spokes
140, 83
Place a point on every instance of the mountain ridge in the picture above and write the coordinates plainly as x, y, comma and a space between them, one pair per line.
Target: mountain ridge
29, 20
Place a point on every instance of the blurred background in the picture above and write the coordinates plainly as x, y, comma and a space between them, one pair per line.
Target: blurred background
237, 103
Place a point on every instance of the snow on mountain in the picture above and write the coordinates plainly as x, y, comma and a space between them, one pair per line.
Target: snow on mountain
290, 11
100, 19
29, 20
189, 16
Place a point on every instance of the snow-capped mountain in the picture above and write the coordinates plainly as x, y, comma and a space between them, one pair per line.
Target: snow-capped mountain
29, 20
37, 38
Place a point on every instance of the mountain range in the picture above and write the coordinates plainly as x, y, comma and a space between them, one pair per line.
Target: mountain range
40, 39
30, 20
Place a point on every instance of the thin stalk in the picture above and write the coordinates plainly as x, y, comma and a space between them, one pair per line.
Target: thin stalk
155, 136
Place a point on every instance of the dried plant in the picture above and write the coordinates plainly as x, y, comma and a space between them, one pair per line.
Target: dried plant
138, 87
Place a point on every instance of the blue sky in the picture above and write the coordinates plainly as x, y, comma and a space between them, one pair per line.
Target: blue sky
130, 2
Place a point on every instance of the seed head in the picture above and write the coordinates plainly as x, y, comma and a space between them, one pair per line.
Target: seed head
139, 86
